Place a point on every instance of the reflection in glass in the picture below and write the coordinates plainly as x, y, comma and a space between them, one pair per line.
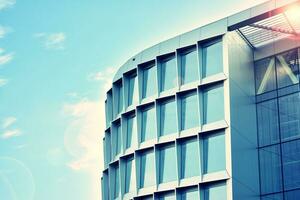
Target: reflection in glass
215, 192
132, 90
265, 76
131, 137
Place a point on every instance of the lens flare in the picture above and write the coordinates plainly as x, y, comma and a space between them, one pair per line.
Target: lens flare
293, 13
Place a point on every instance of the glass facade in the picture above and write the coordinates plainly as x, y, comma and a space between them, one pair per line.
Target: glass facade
149, 87
154, 144
190, 158
168, 73
212, 58
167, 162
278, 115
189, 102
147, 169
168, 117
213, 104
131, 131
130, 183
214, 192
132, 90
213, 150
148, 131
189, 66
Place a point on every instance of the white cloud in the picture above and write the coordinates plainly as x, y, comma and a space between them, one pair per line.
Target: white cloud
4, 31
54, 41
5, 57
104, 77
8, 122
11, 133
3, 82
6, 4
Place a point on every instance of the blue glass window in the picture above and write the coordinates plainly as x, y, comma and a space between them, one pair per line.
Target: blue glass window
116, 182
117, 139
150, 197
212, 58
147, 169
291, 164
191, 193
129, 175
167, 196
291, 195
149, 87
189, 111
168, 74
190, 158
270, 169
213, 104
131, 137
167, 164
287, 68
168, 117
265, 77
278, 196
119, 98
289, 112
267, 119
148, 124
189, 66
214, 152
215, 192
132, 90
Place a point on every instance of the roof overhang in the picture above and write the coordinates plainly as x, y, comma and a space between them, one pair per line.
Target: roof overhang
273, 25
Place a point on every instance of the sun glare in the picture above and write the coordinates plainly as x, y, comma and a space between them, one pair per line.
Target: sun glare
293, 13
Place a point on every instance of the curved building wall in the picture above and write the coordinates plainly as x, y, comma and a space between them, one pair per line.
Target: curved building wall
166, 126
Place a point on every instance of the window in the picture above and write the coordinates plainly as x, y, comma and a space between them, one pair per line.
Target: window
116, 183
273, 197
189, 66
129, 175
191, 193
270, 169
289, 115
132, 90
190, 158
168, 73
117, 145
212, 58
149, 81
144, 198
287, 68
291, 195
265, 76
267, 119
213, 104
118, 97
131, 136
167, 164
291, 164
148, 124
215, 192
147, 169
213, 152
168, 117
189, 111
167, 196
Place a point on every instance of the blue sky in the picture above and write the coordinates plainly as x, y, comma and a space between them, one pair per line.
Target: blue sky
57, 59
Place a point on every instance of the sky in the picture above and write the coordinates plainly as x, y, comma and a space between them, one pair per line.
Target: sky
57, 59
